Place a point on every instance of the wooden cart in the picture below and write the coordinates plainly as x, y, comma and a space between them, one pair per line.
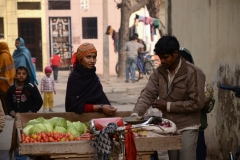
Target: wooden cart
82, 150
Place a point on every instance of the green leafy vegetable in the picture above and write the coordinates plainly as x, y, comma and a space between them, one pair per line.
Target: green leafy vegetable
73, 130
80, 127
69, 123
48, 126
37, 128
58, 121
26, 129
60, 129
32, 122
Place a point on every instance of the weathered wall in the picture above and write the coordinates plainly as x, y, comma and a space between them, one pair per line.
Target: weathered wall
210, 29
10, 14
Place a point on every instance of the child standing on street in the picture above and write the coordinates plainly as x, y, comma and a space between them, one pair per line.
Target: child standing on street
23, 96
48, 88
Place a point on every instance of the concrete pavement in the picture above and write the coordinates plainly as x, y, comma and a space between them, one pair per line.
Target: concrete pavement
121, 95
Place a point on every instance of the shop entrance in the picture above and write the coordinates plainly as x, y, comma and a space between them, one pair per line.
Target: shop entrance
30, 30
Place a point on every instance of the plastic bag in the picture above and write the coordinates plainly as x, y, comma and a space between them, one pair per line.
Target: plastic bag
153, 112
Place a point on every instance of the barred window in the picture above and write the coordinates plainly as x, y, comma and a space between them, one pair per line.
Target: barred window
1, 29
59, 5
89, 28
29, 5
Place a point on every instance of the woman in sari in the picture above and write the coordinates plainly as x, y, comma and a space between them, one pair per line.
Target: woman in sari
22, 57
7, 72
84, 90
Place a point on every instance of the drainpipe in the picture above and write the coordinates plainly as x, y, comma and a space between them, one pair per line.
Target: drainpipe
105, 41
169, 17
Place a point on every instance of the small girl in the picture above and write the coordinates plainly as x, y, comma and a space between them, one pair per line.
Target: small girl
48, 88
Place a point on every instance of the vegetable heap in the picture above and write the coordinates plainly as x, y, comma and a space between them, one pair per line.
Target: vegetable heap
56, 129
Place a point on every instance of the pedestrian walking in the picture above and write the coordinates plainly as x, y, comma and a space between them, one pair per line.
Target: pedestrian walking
132, 53
22, 57
22, 97
55, 63
209, 101
7, 72
177, 89
84, 90
47, 89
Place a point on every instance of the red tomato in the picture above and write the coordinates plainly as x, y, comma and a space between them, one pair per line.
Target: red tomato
54, 137
50, 139
23, 138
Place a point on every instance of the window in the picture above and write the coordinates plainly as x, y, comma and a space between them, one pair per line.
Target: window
29, 5
1, 29
59, 5
89, 28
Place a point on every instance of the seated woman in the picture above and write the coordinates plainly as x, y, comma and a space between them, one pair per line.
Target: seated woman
84, 90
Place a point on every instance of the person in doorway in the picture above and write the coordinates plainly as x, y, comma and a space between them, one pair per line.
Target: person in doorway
22, 57
177, 89
55, 63
132, 53
22, 97
84, 90
7, 72
48, 88
209, 101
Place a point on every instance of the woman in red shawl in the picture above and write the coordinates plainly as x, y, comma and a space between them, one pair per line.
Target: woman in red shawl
84, 90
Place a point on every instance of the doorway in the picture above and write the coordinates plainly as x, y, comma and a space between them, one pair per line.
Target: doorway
30, 30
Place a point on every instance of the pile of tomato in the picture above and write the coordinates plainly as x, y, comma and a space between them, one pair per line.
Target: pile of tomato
53, 137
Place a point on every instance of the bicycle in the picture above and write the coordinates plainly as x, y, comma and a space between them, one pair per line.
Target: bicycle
144, 66
236, 156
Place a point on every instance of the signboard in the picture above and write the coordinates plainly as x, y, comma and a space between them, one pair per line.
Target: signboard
60, 39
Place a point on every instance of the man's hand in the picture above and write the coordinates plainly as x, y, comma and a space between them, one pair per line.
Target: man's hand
160, 104
13, 115
108, 110
54, 92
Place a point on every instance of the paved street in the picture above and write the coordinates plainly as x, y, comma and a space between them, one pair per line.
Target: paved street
122, 96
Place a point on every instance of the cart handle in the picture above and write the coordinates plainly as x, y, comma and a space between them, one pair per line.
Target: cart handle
19, 135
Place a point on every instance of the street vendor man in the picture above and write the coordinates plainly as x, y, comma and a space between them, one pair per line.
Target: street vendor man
84, 91
176, 88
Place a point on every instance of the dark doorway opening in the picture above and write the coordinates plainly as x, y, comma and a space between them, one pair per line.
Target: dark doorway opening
30, 30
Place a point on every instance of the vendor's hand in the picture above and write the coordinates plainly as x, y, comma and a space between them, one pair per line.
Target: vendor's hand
108, 110
160, 104
54, 92
134, 115
13, 115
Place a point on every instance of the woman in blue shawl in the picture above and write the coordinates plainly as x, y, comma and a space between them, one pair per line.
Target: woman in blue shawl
22, 57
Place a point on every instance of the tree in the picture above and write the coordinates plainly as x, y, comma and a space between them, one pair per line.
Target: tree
153, 7
127, 8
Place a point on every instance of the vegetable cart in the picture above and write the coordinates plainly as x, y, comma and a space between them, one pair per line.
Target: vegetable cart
82, 150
